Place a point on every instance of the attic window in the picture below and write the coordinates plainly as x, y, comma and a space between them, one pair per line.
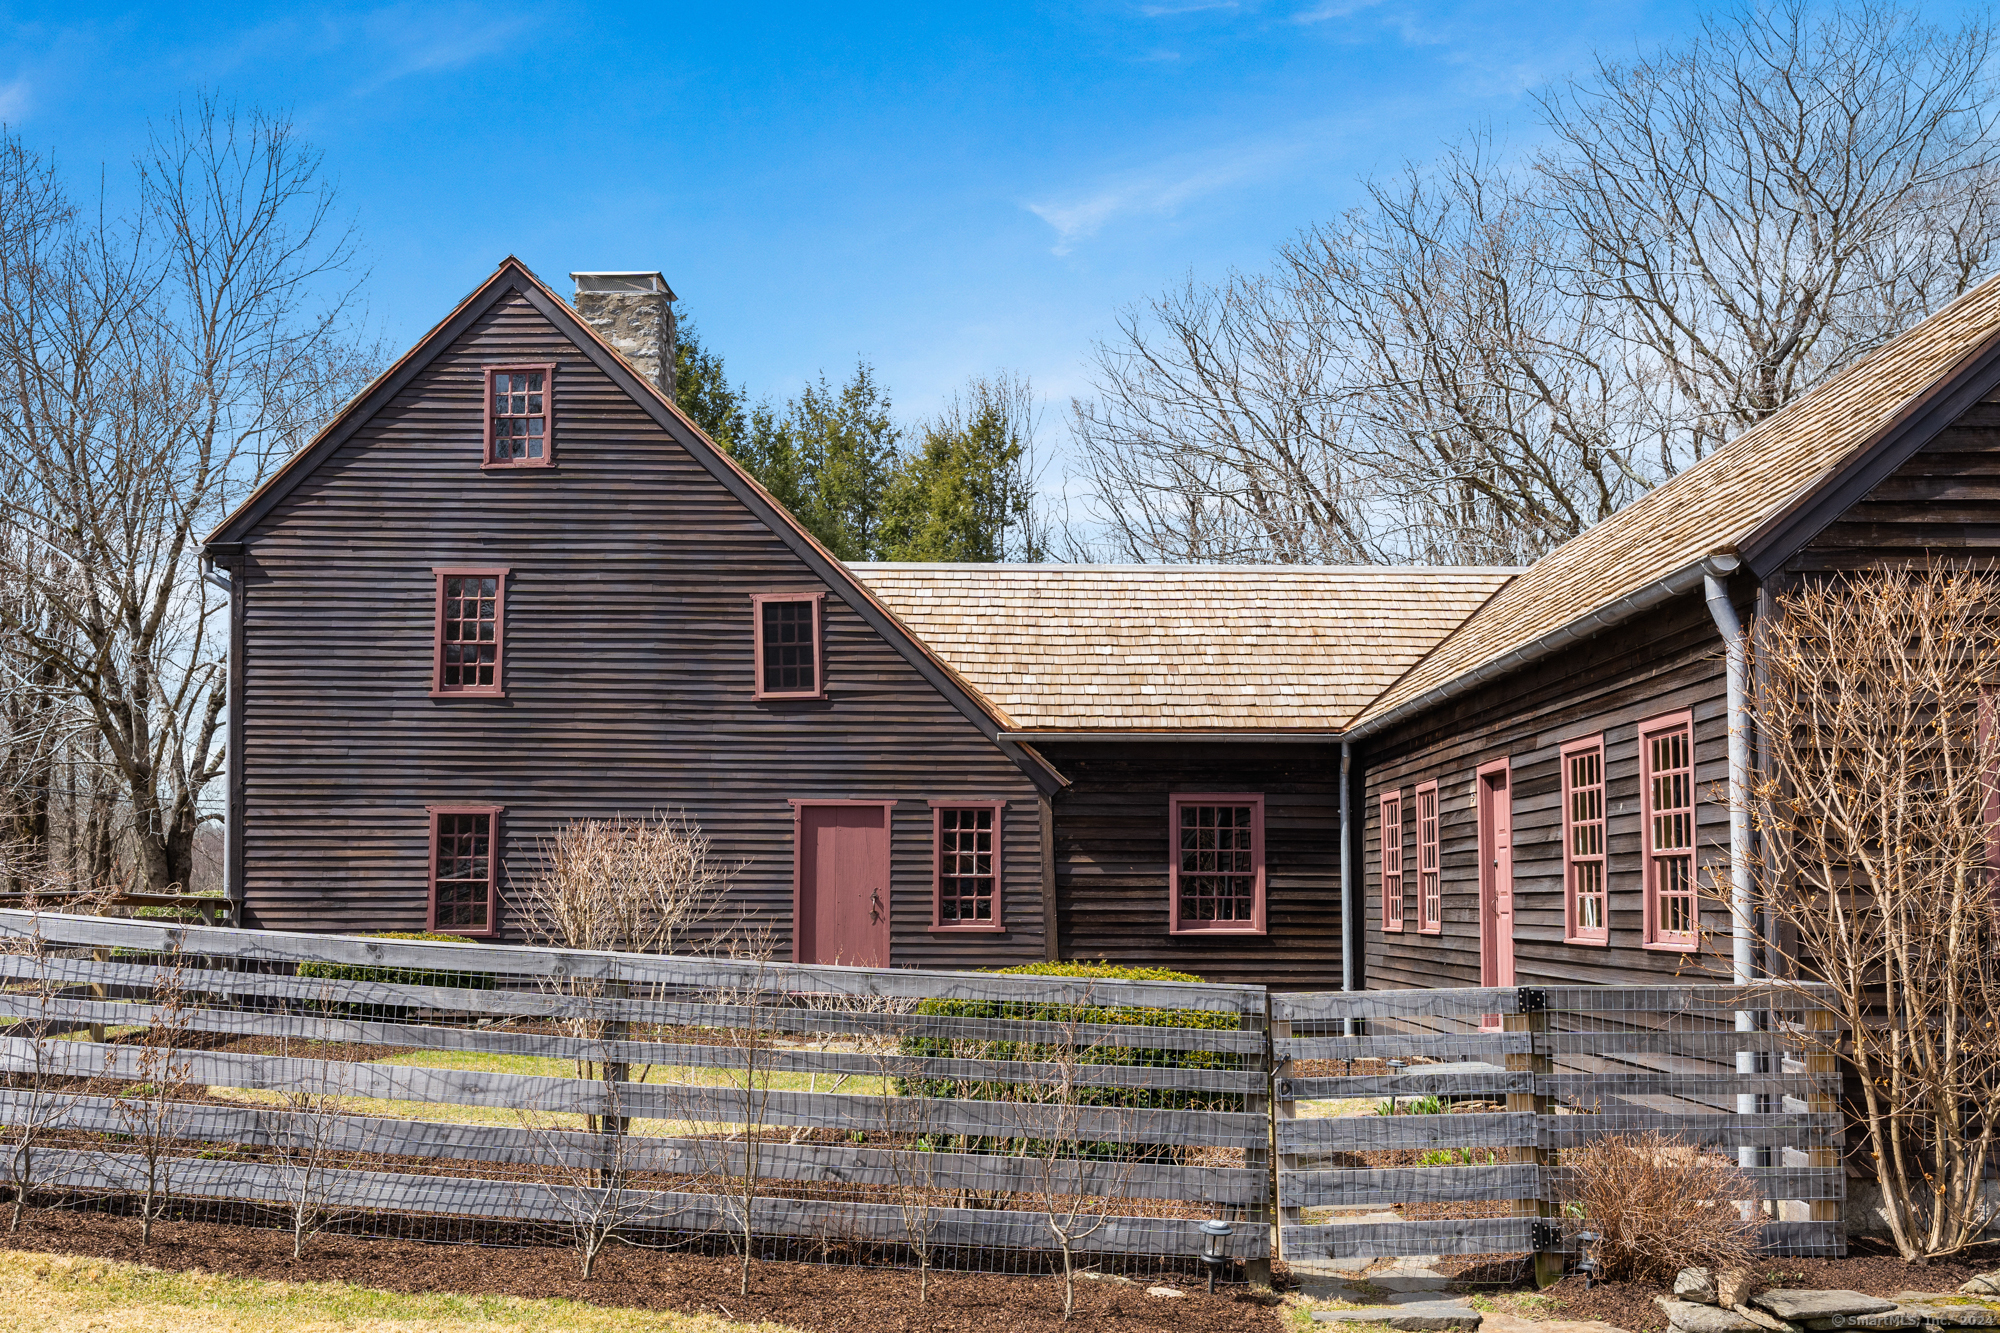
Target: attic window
786, 633
519, 416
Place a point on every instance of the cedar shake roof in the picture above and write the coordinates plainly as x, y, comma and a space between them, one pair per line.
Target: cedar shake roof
1188, 647
1725, 501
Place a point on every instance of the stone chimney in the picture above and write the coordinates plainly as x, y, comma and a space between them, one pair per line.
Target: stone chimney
634, 312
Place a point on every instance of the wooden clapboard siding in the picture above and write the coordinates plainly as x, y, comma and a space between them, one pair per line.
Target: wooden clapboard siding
1665, 662
628, 669
1944, 501
1112, 845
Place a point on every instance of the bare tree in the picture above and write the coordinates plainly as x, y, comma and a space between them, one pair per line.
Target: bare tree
150, 1110
1488, 357
591, 1188
152, 370
1877, 810
638, 886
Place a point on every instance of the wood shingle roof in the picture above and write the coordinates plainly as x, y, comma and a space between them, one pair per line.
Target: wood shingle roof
1188, 647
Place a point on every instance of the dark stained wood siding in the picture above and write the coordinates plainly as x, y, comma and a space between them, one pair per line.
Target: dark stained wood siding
1667, 661
1112, 846
628, 669
1944, 501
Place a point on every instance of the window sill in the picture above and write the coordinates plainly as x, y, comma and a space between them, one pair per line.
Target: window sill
1430, 930
468, 694
486, 934
1198, 932
517, 467
968, 930
1672, 946
800, 698
1601, 942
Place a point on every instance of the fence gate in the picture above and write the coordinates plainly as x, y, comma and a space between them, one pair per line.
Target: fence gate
1432, 1122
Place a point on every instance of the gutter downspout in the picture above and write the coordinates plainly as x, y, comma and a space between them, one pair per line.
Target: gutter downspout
1350, 905
1715, 570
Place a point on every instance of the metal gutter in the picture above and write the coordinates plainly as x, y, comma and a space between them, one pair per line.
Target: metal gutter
1677, 584
1233, 737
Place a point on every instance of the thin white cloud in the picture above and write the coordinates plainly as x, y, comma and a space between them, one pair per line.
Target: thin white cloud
1169, 9
1164, 188
411, 40
14, 99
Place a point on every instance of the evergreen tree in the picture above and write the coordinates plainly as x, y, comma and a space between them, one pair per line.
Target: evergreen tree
843, 446
966, 492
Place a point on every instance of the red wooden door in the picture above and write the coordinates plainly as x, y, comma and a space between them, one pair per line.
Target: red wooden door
843, 894
1496, 876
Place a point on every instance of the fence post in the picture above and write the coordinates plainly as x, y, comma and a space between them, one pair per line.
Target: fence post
1283, 1108
1259, 1270
1533, 1016
1821, 1059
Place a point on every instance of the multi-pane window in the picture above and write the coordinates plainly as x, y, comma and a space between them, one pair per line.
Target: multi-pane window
1217, 870
1430, 890
788, 646
1666, 754
471, 614
518, 400
462, 871
1392, 861
1583, 840
968, 867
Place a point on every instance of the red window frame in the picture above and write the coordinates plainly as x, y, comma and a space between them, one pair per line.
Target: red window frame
491, 413
1585, 868
1671, 890
1430, 887
995, 920
758, 601
437, 815
439, 688
1391, 807
1177, 854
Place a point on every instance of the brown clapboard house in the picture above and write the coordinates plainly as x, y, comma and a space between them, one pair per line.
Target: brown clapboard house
511, 585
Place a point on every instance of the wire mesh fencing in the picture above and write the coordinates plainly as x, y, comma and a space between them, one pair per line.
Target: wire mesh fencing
502, 1095
1439, 1122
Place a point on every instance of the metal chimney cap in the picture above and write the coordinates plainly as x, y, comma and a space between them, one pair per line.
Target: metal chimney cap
623, 280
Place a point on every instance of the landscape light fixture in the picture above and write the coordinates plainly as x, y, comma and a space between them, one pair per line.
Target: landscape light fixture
1216, 1232
1588, 1265
1395, 1067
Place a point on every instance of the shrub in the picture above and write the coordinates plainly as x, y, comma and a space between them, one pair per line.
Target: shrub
1048, 1012
1661, 1204
397, 976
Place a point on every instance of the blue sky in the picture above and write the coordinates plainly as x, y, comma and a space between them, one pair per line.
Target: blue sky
945, 189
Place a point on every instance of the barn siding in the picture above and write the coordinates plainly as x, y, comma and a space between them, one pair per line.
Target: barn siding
1669, 661
1112, 844
1944, 500
628, 668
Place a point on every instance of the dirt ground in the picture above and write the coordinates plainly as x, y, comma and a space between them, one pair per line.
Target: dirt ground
824, 1299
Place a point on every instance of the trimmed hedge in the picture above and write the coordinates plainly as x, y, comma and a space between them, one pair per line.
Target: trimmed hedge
1048, 1012
402, 976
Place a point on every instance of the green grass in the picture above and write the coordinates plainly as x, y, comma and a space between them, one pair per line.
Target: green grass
46, 1293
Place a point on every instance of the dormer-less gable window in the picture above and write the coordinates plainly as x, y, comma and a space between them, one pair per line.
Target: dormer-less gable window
469, 639
520, 402
789, 652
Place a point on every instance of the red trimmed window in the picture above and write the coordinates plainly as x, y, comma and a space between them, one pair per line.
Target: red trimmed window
471, 622
1584, 904
463, 846
1430, 889
1392, 861
788, 645
966, 867
1666, 796
1216, 875
519, 429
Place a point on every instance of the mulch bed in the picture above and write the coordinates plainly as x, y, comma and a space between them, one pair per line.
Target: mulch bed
1870, 1267
824, 1299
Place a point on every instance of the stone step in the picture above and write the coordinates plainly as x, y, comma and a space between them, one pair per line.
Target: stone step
1412, 1317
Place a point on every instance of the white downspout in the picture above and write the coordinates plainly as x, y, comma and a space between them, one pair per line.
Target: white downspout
1715, 570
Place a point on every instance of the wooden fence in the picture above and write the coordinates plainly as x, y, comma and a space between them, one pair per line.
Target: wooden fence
877, 1110
1488, 1088
814, 1106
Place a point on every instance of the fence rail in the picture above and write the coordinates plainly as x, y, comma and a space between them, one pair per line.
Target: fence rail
885, 1111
